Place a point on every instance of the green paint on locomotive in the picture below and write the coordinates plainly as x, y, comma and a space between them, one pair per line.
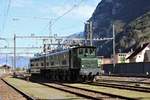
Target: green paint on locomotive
68, 64
89, 62
87, 57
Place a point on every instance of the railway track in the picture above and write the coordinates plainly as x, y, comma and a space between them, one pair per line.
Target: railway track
126, 75
28, 97
138, 82
121, 86
86, 93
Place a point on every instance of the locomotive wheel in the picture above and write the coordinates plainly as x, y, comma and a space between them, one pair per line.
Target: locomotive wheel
68, 77
92, 78
84, 78
57, 75
53, 75
80, 79
74, 76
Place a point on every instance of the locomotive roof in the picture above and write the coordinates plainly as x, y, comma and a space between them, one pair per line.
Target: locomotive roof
84, 47
63, 51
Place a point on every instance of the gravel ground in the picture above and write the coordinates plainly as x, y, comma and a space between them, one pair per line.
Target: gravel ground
8, 93
41, 92
126, 93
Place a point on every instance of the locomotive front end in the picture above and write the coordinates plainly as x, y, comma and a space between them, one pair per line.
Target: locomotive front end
88, 62
89, 67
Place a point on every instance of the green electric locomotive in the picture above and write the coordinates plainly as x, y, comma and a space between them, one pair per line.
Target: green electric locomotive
74, 64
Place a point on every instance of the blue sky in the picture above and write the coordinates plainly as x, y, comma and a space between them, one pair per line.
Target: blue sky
24, 17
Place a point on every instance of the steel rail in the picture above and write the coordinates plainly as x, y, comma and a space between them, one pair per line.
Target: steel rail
28, 97
121, 86
92, 91
105, 80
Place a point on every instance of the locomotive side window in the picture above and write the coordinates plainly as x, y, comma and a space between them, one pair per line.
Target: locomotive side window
92, 51
47, 64
37, 64
52, 63
42, 64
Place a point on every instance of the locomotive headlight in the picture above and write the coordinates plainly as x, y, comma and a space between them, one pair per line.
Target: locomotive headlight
82, 66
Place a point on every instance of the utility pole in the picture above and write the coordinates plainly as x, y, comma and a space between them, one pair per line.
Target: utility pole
89, 30
14, 51
44, 46
114, 53
50, 28
91, 33
50, 34
45, 51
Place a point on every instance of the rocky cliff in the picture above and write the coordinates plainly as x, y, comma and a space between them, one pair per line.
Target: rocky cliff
132, 24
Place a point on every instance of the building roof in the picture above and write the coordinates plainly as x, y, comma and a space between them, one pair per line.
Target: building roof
5, 66
138, 50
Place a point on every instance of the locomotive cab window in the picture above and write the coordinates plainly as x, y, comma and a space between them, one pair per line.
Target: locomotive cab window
86, 52
80, 51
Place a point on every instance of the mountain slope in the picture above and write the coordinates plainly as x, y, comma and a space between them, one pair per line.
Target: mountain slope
127, 16
136, 33
21, 61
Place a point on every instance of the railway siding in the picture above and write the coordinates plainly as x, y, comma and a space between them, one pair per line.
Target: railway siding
88, 92
125, 79
39, 91
121, 92
8, 93
132, 81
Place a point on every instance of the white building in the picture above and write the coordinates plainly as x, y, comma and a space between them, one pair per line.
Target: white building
141, 54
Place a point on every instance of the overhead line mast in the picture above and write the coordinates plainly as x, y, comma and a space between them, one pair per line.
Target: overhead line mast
114, 53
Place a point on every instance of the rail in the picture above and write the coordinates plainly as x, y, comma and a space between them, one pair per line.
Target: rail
28, 97
121, 86
86, 92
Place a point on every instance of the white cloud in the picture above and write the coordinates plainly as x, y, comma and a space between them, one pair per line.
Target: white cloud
21, 3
